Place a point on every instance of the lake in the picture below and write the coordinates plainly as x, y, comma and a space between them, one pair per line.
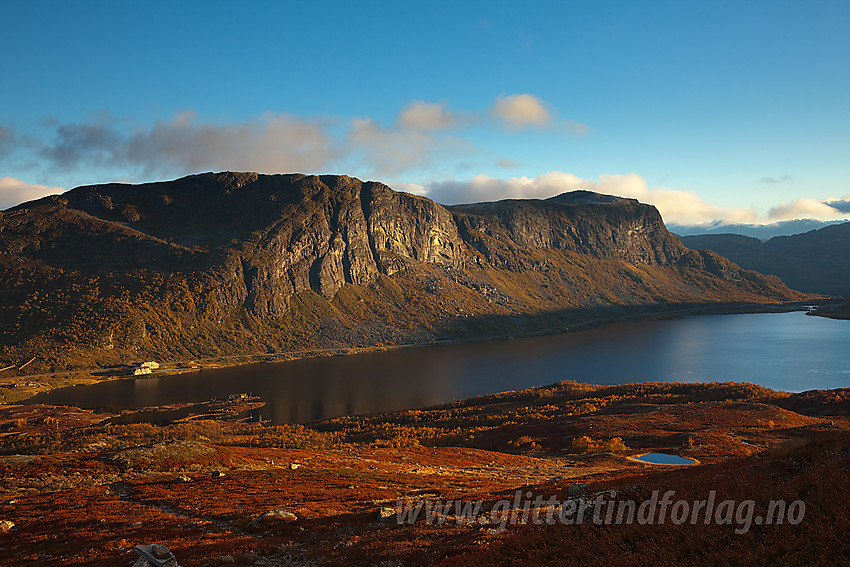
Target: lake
664, 459
784, 351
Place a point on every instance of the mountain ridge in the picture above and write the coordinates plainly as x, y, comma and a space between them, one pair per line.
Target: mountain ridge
814, 261
234, 262
763, 232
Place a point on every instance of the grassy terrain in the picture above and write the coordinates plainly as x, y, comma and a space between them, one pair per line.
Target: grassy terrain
331, 336
82, 489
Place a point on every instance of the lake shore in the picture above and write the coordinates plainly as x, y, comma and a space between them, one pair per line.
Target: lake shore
18, 388
326, 383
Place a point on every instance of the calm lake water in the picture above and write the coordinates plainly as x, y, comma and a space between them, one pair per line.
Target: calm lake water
664, 459
784, 351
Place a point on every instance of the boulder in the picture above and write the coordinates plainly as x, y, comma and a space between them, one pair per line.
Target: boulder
155, 555
276, 515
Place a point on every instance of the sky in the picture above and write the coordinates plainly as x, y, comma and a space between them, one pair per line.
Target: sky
730, 112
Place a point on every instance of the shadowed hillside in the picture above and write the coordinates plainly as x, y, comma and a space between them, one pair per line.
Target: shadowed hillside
817, 261
233, 263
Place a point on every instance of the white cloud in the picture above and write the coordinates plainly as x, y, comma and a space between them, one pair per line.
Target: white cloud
485, 188
14, 192
676, 206
421, 115
840, 203
387, 151
679, 207
423, 135
413, 188
272, 143
521, 111
805, 208
776, 180
390, 151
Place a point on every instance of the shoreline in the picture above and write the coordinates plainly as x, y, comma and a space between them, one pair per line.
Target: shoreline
63, 379
211, 486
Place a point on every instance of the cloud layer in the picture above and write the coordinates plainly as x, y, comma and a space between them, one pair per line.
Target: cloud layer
521, 111
421, 115
391, 150
804, 209
423, 138
842, 204
5, 140
421, 133
676, 206
14, 191
272, 143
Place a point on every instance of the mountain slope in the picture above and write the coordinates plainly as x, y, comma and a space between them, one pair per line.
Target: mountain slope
816, 261
230, 263
763, 232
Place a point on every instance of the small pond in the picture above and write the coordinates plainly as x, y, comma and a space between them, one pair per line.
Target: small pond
664, 459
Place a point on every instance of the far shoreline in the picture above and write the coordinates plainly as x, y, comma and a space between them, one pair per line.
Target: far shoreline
37, 384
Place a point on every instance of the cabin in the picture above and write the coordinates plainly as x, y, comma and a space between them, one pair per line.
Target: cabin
140, 368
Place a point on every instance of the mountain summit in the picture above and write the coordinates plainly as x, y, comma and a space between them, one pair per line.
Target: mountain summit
242, 262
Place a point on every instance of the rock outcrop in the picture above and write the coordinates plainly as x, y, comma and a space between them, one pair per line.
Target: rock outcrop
167, 263
615, 228
279, 235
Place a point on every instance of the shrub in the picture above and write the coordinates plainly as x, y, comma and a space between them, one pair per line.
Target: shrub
582, 444
615, 444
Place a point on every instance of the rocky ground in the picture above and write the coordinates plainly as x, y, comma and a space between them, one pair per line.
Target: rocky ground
81, 488
833, 310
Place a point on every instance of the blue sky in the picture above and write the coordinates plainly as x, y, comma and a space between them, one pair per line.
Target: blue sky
727, 111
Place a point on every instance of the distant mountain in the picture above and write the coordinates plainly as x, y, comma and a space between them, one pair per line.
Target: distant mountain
760, 231
817, 261
234, 263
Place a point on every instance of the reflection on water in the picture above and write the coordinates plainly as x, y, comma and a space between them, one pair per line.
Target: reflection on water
785, 351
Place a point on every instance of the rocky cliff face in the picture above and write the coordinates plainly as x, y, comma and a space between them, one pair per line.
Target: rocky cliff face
183, 259
275, 236
337, 230
623, 229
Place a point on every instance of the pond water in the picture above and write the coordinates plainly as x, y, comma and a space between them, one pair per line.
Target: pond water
664, 459
784, 351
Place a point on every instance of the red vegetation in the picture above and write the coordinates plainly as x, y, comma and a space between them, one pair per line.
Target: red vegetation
83, 492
